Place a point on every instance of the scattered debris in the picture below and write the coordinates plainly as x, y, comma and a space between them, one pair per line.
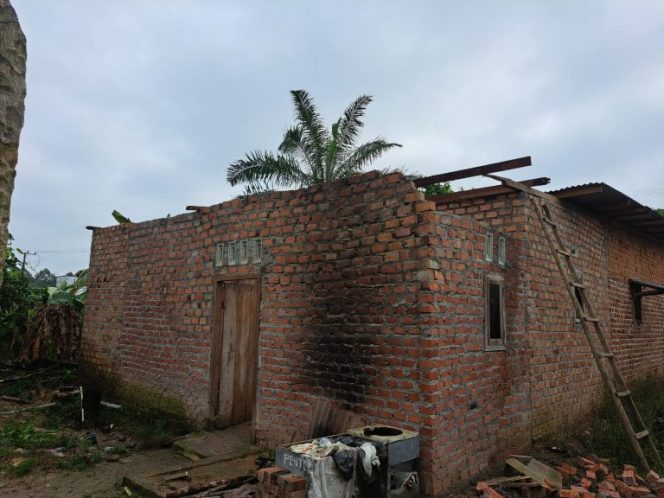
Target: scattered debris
28, 408
545, 476
591, 478
113, 406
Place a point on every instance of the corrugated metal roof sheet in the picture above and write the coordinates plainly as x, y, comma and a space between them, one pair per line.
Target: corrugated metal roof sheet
607, 202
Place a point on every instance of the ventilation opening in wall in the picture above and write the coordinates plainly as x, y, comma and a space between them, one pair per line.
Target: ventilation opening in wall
239, 252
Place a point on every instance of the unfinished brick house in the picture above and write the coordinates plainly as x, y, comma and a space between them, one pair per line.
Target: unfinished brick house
444, 316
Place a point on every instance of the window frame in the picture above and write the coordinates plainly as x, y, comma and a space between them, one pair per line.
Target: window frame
637, 303
502, 250
490, 344
488, 247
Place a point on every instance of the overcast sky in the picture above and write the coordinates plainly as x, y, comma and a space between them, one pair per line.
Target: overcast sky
141, 105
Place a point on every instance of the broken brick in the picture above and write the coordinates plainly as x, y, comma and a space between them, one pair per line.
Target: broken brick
629, 476
652, 476
487, 491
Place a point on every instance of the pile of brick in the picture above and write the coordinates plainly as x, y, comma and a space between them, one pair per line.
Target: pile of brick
591, 478
275, 482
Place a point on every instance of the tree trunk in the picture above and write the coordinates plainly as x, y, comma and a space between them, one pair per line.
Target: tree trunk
12, 107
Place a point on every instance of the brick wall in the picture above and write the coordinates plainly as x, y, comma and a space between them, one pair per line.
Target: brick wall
475, 401
373, 299
342, 306
561, 380
639, 347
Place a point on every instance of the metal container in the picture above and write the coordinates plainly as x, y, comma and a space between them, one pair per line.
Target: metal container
397, 450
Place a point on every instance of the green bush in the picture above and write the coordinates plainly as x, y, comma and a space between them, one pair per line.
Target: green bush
19, 302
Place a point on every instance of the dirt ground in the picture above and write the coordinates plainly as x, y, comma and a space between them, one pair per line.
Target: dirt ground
48, 451
101, 481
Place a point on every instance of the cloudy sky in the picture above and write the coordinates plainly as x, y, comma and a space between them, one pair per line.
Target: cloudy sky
140, 105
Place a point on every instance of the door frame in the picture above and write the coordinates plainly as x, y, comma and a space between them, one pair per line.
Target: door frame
218, 282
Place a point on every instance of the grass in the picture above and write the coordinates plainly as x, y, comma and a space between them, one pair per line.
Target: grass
21, 468
22, 434
26, 437
81, 461
606, 436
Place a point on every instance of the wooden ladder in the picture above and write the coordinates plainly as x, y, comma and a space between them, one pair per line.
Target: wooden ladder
620, 394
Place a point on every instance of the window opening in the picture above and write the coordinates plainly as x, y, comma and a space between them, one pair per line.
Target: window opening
488, 247
494, 321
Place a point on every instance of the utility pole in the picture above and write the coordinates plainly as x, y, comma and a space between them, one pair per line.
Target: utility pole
25, 255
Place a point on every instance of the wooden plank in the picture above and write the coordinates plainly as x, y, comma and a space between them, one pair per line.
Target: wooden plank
228, 354
253, 326
520, 162
520, 187
215, 353
240, 375
246, 358
484, 191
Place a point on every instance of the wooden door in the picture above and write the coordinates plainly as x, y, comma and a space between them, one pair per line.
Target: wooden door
238, 361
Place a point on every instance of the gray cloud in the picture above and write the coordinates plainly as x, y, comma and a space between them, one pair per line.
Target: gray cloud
140, 106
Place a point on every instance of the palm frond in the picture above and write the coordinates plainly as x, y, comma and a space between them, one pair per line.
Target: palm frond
314, 134
332, 152
363, 155
293, 143
258, 166
351, 123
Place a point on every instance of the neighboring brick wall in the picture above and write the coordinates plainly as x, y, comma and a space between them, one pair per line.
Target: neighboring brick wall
565, 382
639, 348
561, 371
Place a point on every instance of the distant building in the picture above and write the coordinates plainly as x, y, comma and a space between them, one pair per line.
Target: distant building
65, 279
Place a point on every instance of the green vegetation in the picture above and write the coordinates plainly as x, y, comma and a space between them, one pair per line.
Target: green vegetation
310, 153
606, 435
438, 189
53, 438
21, 468
19, 302
26, 302
25, 435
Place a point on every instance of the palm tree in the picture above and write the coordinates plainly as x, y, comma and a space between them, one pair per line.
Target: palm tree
309, 153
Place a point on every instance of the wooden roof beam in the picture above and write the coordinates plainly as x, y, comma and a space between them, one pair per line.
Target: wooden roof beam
520, 162
484, 191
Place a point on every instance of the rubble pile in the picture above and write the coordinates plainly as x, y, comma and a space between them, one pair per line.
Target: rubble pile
591, 477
